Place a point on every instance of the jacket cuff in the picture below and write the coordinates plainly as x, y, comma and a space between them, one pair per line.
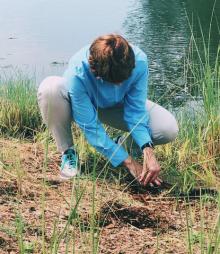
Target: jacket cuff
148, 144
118, 156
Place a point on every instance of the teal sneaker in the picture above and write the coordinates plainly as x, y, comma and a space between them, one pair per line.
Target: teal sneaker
69, 165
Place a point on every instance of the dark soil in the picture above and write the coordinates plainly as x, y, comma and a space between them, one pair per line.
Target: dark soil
138, 217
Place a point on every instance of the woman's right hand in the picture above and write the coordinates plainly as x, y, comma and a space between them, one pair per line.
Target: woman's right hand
134, 167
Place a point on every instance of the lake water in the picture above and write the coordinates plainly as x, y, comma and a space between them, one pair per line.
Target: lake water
39, 36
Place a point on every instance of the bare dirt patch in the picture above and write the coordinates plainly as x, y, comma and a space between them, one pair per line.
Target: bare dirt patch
159, 216
138, 217
8, 188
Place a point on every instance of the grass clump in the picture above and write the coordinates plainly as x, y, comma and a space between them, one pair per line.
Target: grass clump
193, 160
19, 112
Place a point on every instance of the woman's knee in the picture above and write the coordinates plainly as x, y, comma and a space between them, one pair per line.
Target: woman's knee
52, 97
166, 132
51, 86
169, 130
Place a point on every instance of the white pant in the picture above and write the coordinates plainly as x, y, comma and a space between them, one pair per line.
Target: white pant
55, 107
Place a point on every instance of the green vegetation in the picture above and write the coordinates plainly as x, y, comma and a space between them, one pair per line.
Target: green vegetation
19, 113
195, 155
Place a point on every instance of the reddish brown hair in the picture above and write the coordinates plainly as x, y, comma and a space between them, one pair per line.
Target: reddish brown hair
111, 58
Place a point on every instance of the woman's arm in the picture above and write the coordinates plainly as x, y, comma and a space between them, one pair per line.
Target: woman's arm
85, 115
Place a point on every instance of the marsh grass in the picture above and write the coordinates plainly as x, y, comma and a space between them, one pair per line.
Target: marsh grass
194, 157
19, 113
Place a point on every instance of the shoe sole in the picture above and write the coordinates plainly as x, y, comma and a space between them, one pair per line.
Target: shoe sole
65, 177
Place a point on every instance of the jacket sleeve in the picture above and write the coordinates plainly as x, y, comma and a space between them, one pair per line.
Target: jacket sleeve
135, 113
85, 115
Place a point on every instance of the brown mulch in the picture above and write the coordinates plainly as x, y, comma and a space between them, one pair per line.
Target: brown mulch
126, 220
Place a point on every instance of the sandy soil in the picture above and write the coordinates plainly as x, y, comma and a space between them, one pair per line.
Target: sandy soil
125, 217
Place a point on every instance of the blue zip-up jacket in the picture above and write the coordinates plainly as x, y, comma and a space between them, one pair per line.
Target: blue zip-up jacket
87, 93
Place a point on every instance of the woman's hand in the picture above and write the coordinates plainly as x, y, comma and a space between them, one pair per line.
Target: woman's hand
151, 168
134, 167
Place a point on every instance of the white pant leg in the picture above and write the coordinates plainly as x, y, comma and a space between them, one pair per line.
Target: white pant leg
163, 125
55, 108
